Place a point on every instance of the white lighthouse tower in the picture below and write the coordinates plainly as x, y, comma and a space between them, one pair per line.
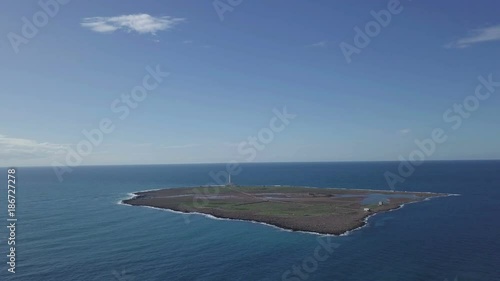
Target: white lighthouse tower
229, 183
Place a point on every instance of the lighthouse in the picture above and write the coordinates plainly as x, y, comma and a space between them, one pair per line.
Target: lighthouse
229, 183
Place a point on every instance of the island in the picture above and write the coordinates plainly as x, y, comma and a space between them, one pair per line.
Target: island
319, 210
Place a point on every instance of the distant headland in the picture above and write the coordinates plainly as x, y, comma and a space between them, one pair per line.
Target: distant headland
318, 210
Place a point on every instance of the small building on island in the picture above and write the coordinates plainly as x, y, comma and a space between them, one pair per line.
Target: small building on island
366, 209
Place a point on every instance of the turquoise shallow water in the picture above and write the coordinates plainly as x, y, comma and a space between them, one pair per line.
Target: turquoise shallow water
76, 230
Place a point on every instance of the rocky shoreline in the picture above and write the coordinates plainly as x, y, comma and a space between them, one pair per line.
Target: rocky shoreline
316, 210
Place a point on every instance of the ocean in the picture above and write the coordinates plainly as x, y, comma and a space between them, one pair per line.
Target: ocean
77, 230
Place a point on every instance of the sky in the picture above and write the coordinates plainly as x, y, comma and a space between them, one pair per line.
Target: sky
305, 80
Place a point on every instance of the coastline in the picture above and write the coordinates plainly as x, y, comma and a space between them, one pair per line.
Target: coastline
354, 226
209, 216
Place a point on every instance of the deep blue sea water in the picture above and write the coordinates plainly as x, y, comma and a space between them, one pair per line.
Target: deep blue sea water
76, 230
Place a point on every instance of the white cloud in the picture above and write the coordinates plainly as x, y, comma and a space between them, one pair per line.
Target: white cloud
140, 23
480, 35
181, 146
18, 149
404, 131
146, 144
231, 144
321, 44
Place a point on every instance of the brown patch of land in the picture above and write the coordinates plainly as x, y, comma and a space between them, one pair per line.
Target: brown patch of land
321, 210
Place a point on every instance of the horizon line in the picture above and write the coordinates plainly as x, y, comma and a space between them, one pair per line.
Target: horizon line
269, 162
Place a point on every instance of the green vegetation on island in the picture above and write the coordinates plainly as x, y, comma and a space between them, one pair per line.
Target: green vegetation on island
320, 210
